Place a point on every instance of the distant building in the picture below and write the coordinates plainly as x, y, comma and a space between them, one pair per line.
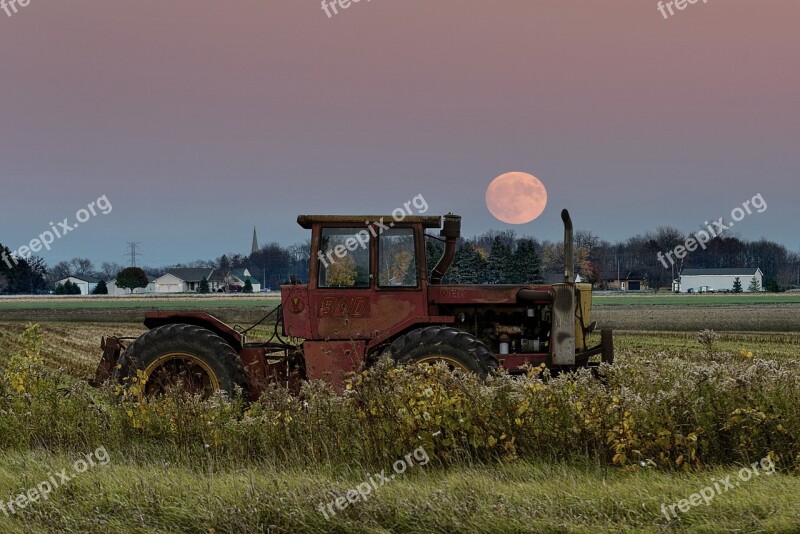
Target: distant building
254, 248
557, 278
243, 275
114, 290
188, 280
85, 283
711, 280
621, 281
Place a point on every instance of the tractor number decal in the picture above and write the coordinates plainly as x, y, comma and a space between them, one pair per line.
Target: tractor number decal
355, 307
452, 293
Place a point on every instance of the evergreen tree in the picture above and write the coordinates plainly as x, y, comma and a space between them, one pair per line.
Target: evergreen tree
67, 288
203, 287
101, 288
737, 285
772, 285
433, 252
468, 265
526, 264
499, 267
248, 286
754, 286
21, 276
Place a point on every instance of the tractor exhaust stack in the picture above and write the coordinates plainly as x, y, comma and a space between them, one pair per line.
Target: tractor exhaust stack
569, 254
451, 231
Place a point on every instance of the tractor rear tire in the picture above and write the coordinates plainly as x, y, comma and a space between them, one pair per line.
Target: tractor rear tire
433, 344
183, 355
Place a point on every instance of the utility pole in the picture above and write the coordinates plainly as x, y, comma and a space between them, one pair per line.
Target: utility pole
132, 254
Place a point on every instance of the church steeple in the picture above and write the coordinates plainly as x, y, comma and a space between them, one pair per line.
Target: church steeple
255, 242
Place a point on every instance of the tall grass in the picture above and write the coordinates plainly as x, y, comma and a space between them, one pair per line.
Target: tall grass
662, 410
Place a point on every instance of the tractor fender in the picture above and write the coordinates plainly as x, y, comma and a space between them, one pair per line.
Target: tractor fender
204, 320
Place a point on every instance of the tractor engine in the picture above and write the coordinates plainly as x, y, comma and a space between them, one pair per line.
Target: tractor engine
507, 331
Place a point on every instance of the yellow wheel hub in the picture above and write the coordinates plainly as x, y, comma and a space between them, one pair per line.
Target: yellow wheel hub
451, 362
180, 368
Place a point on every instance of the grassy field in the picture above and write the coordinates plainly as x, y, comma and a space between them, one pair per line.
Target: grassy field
663, 312
192, 468
520, 497
241, 309
143, 302
172, 302
706, 299
689, 313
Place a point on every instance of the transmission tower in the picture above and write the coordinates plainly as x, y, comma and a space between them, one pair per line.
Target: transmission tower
132, 254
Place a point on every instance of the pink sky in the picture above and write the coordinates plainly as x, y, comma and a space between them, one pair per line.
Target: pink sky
200, 119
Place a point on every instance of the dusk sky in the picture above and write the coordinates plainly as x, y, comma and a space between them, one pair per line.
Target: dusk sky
199, 120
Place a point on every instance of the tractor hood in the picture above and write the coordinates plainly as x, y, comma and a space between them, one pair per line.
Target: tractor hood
489, 294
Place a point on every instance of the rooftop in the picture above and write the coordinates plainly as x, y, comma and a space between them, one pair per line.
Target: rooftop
427, 221
738, 271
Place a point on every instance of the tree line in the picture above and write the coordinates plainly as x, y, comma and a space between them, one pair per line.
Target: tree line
494, 257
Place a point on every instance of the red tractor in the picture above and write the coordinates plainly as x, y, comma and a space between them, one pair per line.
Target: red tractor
369, 294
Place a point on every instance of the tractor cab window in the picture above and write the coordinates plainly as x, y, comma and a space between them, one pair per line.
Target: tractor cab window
344, 258
397, 258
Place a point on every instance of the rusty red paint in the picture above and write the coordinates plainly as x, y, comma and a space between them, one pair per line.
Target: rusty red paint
513, 362
333, 361
340, 326
205, 320
296, 323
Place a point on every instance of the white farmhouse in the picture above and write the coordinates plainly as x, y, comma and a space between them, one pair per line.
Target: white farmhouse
708, 280
184, 280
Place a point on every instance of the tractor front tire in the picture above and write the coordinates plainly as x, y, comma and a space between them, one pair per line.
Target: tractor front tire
185, 356
458, 349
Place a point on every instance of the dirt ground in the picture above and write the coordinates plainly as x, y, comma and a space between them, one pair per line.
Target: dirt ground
734, 318
739, 317
232, 315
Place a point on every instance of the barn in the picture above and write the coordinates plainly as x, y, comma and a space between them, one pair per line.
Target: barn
715, 280
85, 283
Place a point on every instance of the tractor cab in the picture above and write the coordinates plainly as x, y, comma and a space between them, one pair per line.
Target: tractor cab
367, 281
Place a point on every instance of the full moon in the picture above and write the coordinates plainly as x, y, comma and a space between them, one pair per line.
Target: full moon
516, 197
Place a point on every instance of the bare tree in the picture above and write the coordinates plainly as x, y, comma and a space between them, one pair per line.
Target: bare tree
58, 272
224, 267
586, 240
81, 266
110, 270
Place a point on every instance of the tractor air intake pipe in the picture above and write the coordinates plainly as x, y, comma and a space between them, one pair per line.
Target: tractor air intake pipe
569, 260
451, 231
